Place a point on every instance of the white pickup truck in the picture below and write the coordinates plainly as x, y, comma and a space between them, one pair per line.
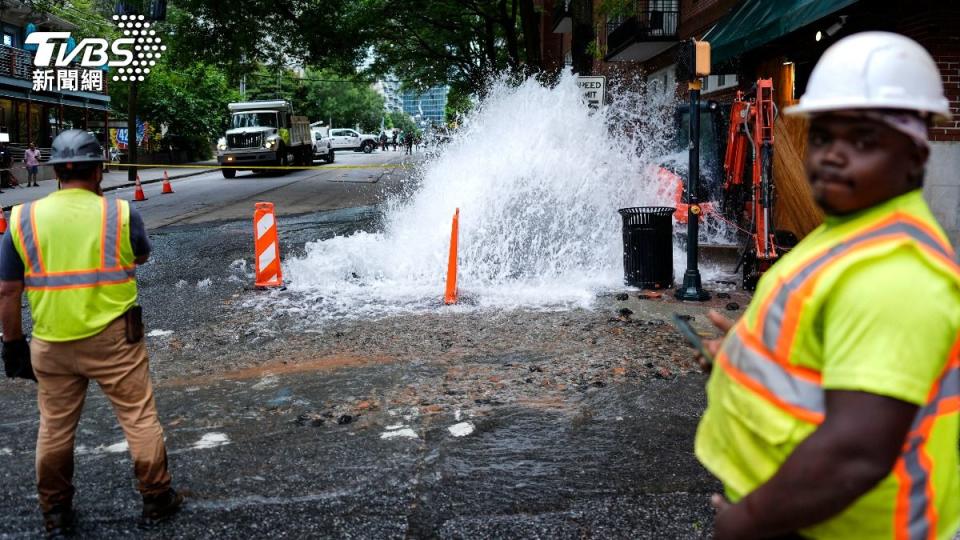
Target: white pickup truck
322, 145
348, 139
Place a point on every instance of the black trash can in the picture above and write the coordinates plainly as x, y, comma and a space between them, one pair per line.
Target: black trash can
648, 246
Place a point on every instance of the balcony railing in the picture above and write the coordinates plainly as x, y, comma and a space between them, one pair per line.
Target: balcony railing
18, 64
644, 21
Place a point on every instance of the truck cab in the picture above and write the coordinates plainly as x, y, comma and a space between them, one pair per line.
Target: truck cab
264, 133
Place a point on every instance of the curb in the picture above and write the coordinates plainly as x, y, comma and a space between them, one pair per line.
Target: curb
153, 181
125, 185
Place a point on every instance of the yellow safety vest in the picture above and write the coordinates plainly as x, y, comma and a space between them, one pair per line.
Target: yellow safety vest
766, 393
78, 262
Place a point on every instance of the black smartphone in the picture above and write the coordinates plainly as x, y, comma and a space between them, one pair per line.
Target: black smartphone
692, 337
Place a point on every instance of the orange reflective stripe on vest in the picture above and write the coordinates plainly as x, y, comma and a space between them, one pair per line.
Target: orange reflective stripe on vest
778, 319
110, 271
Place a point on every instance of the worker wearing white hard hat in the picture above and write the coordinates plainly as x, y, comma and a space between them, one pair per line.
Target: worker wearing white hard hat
834, 403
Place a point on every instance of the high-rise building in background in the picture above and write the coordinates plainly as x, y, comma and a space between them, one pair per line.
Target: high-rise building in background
390, 90
426, 108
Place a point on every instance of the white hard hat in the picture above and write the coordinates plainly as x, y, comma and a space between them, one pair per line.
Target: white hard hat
875, 70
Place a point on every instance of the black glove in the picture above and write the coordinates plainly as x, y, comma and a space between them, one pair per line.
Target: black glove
16, 359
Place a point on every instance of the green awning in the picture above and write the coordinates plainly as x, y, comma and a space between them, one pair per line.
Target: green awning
758, 22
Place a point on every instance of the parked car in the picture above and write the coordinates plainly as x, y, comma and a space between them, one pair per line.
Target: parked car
348, 139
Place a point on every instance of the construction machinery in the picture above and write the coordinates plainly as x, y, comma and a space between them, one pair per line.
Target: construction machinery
740, 189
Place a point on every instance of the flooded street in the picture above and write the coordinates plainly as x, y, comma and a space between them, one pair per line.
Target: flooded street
550, 402
453, 423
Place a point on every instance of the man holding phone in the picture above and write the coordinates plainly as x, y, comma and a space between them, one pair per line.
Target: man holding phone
834, 402
75, 254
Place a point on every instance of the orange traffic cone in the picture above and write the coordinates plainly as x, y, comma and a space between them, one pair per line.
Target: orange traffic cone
138, 195
3, 223
450, 297
167, 188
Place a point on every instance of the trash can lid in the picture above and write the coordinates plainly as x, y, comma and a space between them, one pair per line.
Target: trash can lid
649, 210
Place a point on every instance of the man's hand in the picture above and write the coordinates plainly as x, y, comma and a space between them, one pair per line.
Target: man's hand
732, 520
16, 359
713, 345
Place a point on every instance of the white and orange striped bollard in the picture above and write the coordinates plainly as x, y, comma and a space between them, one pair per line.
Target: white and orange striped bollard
267, 246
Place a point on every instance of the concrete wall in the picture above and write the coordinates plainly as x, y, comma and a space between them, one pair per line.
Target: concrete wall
942, 187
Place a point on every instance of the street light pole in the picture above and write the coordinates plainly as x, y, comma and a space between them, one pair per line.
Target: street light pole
695, 59
692, 288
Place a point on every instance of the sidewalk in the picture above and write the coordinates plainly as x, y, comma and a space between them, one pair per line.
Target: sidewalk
115, 179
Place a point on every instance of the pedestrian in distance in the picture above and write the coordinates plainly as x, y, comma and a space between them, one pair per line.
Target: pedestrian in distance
31, 161
834, 402
86, 326
408, 139
383, 141
396, 133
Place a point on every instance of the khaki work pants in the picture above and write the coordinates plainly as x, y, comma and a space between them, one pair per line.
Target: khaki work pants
63, 371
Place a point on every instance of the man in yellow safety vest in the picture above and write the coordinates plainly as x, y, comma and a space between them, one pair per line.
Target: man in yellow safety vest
833, 403
75, 253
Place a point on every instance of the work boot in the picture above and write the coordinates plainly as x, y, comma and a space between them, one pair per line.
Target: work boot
158, 508
60, 522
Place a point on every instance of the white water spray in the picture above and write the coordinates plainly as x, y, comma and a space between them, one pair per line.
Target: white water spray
538, 179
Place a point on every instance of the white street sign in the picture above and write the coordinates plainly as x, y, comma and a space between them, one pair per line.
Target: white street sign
594, 90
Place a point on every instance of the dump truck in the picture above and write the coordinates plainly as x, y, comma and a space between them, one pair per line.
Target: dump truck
264, 133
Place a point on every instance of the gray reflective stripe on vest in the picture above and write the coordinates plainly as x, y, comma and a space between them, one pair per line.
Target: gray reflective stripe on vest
773, 320
84, 279
111, 254
761, 368
29, 242
918, 525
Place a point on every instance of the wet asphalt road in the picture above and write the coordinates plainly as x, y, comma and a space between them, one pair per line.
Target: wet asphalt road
512, 425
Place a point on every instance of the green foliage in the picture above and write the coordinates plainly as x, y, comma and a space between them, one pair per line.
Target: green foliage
459, 102
617, 9
190, 101
427, 43
402, 121
242, 35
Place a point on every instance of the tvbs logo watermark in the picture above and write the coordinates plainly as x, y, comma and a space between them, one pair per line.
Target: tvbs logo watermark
80, 67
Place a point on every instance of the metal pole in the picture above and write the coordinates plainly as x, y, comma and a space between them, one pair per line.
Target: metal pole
692, 288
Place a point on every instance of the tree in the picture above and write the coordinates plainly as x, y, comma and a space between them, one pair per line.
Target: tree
344, 100
243, 35
191, 101
403, 122
426, 43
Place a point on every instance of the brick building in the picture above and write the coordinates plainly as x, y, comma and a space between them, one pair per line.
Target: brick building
781, 40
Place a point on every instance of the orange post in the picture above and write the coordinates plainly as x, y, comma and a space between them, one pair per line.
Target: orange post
167, 188
267, 247
451, 296
138, 195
